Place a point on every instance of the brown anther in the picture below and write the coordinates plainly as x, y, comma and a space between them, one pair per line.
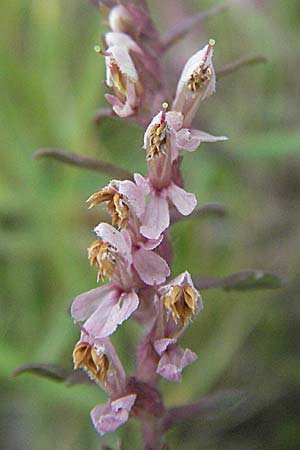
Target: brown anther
121, 211
94, 362
157, 140
117, 206
102, 255
105, 195
199, 78
181, 301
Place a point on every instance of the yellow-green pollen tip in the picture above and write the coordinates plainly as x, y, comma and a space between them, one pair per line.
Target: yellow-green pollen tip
97, 48
212, 42
165, 106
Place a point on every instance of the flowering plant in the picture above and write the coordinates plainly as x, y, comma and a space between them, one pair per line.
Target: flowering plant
132, 254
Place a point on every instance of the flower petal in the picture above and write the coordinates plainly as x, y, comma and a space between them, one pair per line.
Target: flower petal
156, 218
161, 345
120, 56
151, 267
135, 194
126, 403
151, 244
84, 305
173, 361
111, 313
174, 120
201, 58
190, 139
123, 40
107, 418
118, 239
185, 202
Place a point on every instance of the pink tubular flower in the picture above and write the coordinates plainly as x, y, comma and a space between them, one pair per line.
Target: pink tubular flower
151, 268
180, 138
121, 73
106, 307
99, 359
156, 217
196, 83
107, 418
173, 359
103, 309
180, 300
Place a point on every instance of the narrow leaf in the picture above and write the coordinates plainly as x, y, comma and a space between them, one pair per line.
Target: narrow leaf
242, 281
85, 162
54, 372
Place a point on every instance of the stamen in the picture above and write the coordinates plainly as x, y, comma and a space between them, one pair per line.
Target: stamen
157, 139
181, 302
202, 75
199, 78
104, 195
93, 361
104, 256
117, 206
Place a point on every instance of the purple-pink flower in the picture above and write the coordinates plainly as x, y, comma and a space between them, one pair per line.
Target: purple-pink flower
121, 73
107, 418
173, 359
156, 218
133, 253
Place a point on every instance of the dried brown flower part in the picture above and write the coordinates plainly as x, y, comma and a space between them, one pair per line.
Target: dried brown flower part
92, 360
181, 301
157, 140
116, 205
104, 256
199, 78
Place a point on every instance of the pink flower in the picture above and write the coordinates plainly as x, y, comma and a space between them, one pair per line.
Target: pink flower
99, 359
151, 268
110, 416
103, 309
106, 307
174, 136
156, 217
196, 83
121, 73
180, 300
173, 359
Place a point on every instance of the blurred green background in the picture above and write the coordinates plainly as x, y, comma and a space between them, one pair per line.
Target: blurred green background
51, 84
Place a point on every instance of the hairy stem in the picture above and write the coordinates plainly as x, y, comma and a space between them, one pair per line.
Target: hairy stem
81, 161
